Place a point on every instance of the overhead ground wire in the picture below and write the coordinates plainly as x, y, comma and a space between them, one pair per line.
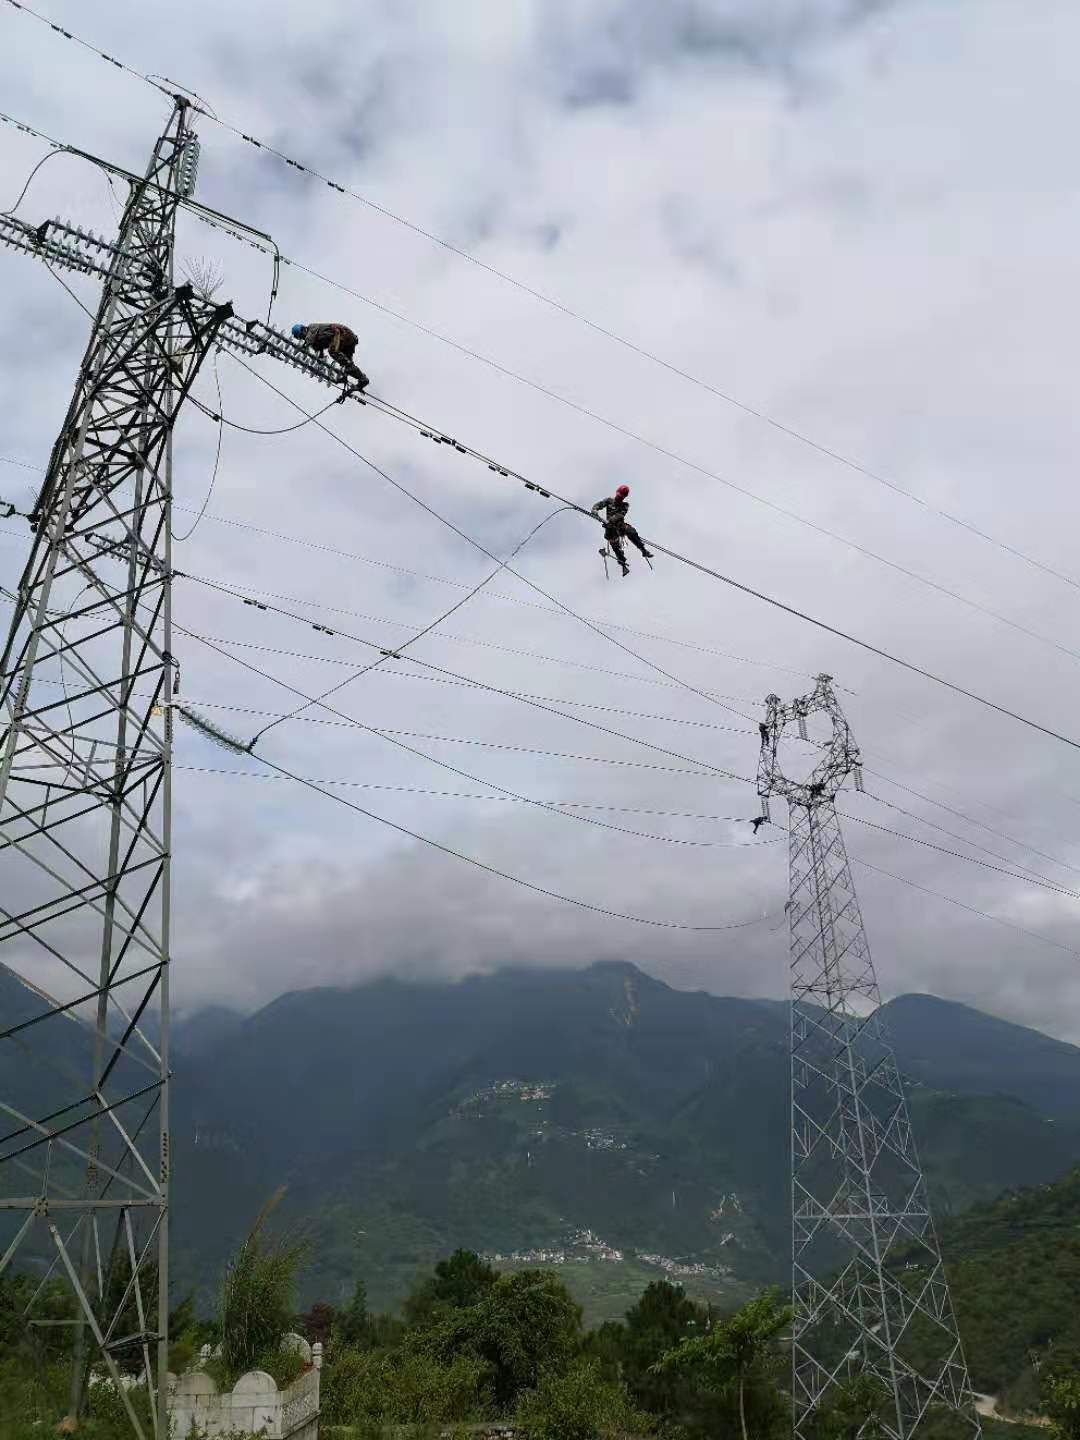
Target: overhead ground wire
932, 584
500, 595
707, 570
551, 302
471, 540
685, 461
771, 421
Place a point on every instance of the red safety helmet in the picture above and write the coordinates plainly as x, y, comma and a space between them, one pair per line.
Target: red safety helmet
622, 490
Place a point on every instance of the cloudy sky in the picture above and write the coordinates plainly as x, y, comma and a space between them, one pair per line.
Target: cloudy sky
857, 218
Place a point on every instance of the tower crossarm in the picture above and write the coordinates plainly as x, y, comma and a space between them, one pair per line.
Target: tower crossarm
72, 248
839, 754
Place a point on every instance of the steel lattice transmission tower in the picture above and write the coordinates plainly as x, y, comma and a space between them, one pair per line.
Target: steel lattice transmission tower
868, 1286
86, 680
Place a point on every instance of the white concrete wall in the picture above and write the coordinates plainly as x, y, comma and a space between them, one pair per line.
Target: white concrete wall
254, 1405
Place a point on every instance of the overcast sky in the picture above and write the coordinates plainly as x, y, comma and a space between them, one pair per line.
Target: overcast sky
860, 218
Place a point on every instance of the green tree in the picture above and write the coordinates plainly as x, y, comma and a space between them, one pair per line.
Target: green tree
460, 1281
319, 1322
1061, 1401
353, 1324
525, 1325
661, 1318
407, 1386
580, 1404
853, 1410
736, 1354
186, 1334
257, 1295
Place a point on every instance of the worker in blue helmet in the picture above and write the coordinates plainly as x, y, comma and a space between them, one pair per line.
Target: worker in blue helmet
337, 341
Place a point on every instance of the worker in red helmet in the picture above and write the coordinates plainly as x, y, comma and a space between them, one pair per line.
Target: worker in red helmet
617, 527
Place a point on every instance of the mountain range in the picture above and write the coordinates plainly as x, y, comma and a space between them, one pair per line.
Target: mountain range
596, 1118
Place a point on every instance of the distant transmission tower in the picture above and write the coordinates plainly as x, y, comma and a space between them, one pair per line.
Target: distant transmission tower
86, 680
868, 1285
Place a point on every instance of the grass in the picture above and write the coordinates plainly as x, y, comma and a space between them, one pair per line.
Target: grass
606, 1289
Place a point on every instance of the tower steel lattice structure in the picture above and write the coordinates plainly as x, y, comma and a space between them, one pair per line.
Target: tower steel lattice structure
86, 682
869, 1290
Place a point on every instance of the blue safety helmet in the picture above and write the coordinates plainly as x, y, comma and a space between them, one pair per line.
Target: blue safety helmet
298, 331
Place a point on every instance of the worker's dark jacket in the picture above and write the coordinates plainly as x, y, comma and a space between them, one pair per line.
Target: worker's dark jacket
323, 337
614, 510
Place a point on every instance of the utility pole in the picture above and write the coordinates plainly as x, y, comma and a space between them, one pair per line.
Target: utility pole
868, 1285
86, 682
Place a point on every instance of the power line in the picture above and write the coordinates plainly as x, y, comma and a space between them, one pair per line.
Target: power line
962, 905
509, 800
560, 307
86, 45
866, 645
672, 770
471, 540
346, 723
882, 775
506, 875
709, 725
724, 579
449, 850
514, 797
1028, 879
499, 595
252, 430
180, 539
704, 569
444, 678
456, 679
969, 820
310, 418
679, 459
919, 819
754, 411
1031, 877
533, 655
665, 451
966, 840
400, 744
419, 635
314, 419
667, 839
